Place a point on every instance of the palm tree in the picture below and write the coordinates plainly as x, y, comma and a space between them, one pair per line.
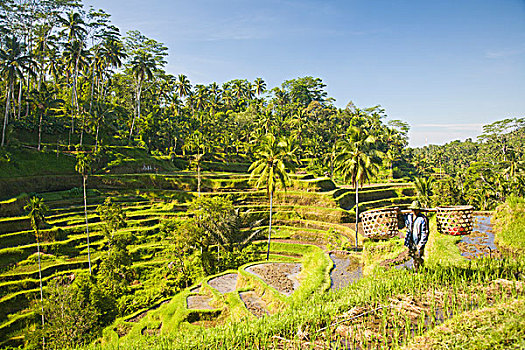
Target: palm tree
183, 86
74, 26
44, 101
424, 189
358, 161
75, 56
37, 214
260, 86
273, 158
13, 63
83, 167
142, 66
196, 142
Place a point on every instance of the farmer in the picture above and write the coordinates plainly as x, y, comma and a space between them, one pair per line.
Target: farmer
417, 233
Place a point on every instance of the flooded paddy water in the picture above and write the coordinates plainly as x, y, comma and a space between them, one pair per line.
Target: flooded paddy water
347, 270
480, 243
225, 283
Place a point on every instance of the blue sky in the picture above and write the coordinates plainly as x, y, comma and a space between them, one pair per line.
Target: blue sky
445, 67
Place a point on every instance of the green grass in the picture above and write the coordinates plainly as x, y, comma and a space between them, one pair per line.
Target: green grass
501, 326
509, 225
321, 309
442, 249
28, 162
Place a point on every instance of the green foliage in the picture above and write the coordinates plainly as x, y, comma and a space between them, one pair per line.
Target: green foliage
74, 312
501, 326
509, 224
479, 173
275, 157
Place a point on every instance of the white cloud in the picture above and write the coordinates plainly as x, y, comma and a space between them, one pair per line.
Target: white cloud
433, 133
502, 53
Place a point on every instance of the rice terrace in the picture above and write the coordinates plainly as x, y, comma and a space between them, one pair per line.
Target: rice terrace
142, 210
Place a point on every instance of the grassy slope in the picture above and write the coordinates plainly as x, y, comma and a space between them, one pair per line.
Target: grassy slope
509, 225
498, 327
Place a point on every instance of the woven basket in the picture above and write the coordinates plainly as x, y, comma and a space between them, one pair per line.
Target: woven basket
455, 220
380, 223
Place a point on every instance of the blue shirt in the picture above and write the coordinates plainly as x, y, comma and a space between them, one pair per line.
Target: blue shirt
417, 231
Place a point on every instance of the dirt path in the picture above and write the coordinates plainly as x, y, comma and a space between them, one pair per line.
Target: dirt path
199, 302
480, 243
225, 283
254, 304
281, 276
347, 270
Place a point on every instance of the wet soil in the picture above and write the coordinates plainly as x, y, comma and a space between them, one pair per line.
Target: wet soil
144, 313
151, 332
196, 289
347, 270
225, 283
403, 260
199, 302
254, 304
281, 276
122, 330
480, 243
205, 323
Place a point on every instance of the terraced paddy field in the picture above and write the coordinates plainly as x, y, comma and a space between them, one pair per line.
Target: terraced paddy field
311, 219
303, 214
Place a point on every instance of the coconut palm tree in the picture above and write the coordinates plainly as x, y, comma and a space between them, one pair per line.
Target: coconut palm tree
37, 215
74, 26
183, 86
260, 86
13, 63
274, 157
196, 142
142, 66
45, 102
358, 161
424, 189
83, 167
75, 57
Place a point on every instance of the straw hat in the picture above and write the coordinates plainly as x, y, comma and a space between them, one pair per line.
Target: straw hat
415, 205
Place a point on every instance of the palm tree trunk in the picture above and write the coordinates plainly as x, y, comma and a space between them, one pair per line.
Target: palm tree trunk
356, 213
96, 137
7, 102
40, 279
40, 131
19, 100
92, 90
139, 92
199, 178
82, 128
87, 227
270, 227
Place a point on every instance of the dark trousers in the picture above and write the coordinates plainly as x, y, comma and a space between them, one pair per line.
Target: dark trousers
417, 257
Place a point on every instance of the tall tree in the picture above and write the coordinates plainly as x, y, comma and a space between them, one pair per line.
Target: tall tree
142, 66
74, 26
183, 86
260, 86
274, 157
13, 63
358, 161
37, 215
45, 102
83, 167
